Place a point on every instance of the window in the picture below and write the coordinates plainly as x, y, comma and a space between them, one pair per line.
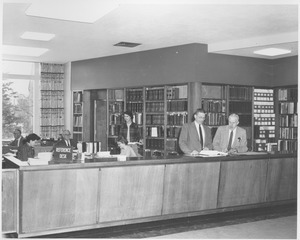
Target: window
18, 94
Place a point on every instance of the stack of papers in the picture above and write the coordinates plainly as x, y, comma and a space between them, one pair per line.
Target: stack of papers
211, 153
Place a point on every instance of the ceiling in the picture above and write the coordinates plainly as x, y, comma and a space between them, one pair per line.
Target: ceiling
226, 28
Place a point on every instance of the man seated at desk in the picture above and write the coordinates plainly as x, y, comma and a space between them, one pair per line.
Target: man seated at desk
66, 140
18, 141
231, 138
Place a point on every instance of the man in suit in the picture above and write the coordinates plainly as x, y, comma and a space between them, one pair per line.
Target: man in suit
231, 138
66, 140
19, 140
195, 136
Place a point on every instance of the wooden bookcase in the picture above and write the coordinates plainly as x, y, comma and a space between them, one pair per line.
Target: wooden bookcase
78, 115
287, 119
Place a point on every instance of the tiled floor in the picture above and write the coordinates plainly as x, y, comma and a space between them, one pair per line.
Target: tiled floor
278, 228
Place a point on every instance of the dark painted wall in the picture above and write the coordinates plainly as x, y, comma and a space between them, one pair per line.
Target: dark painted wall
285, 71
186, 63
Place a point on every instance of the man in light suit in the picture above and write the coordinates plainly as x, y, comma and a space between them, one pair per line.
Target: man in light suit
195, 136
66, 140
231, 138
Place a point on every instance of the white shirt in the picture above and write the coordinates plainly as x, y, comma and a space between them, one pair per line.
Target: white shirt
203, 133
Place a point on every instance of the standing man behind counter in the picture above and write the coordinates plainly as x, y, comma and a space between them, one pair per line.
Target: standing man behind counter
18, 141
195, 136
231, 138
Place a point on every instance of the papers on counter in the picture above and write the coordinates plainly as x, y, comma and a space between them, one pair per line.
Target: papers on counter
211, 153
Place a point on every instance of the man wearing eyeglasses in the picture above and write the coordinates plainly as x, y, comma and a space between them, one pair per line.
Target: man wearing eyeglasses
66, 140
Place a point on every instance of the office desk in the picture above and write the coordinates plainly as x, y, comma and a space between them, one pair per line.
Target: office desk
99, 193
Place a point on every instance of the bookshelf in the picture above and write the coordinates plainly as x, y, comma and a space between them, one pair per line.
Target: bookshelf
264, 120
115, 117
78, 115
154, 130
176, 115
214, 102
287, 119
240, 102
52, 100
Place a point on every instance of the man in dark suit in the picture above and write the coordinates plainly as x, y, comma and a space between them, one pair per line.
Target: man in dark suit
66, 140
231, 138
19, 140
195, 136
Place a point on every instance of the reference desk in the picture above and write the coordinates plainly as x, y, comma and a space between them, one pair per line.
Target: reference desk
97, 193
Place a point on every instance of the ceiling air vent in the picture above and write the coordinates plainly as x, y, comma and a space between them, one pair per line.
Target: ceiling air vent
127, 44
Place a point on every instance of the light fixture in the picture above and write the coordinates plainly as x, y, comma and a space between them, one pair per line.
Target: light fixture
272, 52
37, 36
23, 51
87, 11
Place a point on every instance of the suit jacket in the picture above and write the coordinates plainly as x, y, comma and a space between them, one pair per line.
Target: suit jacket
189, 138
62, 143
221, 138
15, 142
25, 151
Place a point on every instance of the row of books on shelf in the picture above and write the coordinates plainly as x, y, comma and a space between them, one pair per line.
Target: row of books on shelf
157, 131
240, 93
137, 118
52, 68
116, 118
288, 94
77, 97
214, 91
52, 117
177, 106
215, 119
288, 120
52, 100
177, 118
288, 107
288, 133
52, 82
134, 95
177, 92
264, 120
240, 107
155, 119
152, 143
214, 105
155, 94
287, 146
264, 132
115, 94
134, 107
77, 108
265, 146
155, 107
51, 131
116, 107
173, 132
78, 121
263, 94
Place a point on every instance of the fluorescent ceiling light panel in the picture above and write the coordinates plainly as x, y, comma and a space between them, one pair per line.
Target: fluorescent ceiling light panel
38, 36
23, 51
272, 52
87, 11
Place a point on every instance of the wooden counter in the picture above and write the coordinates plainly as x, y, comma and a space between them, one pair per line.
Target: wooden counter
98, 193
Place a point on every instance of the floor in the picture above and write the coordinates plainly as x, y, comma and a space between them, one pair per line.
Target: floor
279, 222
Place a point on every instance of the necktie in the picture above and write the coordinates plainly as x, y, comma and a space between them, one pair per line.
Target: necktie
230, 141
201, 137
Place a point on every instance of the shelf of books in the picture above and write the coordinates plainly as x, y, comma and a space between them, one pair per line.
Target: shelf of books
240, 103
78, 115
52, 100
264, 120
287, 119
177, 115
213, 102
154, 119
115, 117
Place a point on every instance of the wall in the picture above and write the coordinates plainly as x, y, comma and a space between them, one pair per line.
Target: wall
185, 63
285, 71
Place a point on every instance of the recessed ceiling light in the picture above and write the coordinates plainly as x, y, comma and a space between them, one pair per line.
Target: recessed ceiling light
38, 36
272, 52
127, 44
87, 11
23, 51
